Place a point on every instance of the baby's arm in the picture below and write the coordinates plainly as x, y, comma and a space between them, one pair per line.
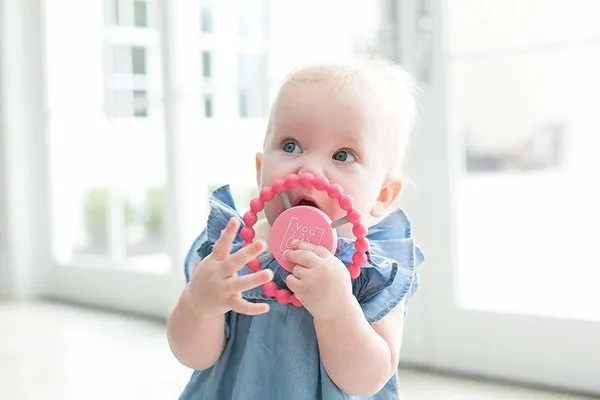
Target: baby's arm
196, 327
197, 342
360, 358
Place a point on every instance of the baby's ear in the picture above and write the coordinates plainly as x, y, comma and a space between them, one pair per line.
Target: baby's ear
389, 193
259, 157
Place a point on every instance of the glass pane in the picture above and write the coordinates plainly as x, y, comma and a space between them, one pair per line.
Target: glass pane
206, 16
252, 81
251, 17
144, 220
138, 60
141, 13
107, 149
93, 238
528, 209
140, 103
206, 64
481, 25
133, 13
208, 106
122, 59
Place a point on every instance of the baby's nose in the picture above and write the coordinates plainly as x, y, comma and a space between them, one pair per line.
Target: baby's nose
314, 170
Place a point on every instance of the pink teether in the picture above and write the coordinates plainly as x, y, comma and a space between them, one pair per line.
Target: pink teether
306, 223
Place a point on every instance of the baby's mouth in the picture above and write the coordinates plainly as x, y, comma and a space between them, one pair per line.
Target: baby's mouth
306, 202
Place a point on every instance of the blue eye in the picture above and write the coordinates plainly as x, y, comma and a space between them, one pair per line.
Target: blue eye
291, 147
344, 156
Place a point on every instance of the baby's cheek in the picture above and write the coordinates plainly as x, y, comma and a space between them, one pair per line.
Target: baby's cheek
273, 209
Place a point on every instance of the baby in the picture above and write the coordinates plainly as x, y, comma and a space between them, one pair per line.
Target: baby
350, 124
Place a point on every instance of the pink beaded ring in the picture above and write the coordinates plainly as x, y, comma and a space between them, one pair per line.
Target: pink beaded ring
306, 223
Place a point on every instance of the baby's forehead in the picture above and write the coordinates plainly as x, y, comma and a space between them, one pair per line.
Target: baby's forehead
304, 105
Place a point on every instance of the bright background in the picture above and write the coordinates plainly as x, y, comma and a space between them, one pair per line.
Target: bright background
119, 116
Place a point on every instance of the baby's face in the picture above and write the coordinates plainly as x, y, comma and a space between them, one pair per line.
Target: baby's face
332, 134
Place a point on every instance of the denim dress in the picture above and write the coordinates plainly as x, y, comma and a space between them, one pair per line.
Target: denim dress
275, 356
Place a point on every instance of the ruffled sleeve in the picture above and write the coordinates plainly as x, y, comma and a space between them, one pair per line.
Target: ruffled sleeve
390, 275
222, 209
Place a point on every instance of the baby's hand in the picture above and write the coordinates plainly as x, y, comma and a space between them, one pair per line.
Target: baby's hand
319, 280
215, 288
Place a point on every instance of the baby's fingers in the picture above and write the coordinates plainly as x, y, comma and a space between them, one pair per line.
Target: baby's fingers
241, 257
223, 245
305, 258
242, 283
241, 306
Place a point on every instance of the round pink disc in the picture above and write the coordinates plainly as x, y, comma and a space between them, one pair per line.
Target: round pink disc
305, 223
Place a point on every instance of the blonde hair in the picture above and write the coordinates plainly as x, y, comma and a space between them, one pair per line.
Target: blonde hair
390, 84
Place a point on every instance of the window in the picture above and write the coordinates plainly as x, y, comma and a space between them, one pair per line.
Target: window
140, 103
208, 106
129, 60
138, 60
127, 82
252, 85
133, 13
525, 89
206, 16
252, 18
94, 238
206, 64
108, 161
141, 13
129, 103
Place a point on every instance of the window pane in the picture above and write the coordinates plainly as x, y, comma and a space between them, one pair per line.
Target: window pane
481, 25
243, 105
140, 103
206, 64
133, 13
107, 149
206, 19
122, 59
527, 208
138, 59
141, 13
144, 220
252, 81
122, 104
208, 106
251, 17
93, 238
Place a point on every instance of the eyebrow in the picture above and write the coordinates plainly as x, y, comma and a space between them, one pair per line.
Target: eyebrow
354, 141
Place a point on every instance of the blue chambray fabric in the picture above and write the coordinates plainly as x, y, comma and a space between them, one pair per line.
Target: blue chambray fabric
275, 355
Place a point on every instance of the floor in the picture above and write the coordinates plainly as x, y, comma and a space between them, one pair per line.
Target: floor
51, 351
